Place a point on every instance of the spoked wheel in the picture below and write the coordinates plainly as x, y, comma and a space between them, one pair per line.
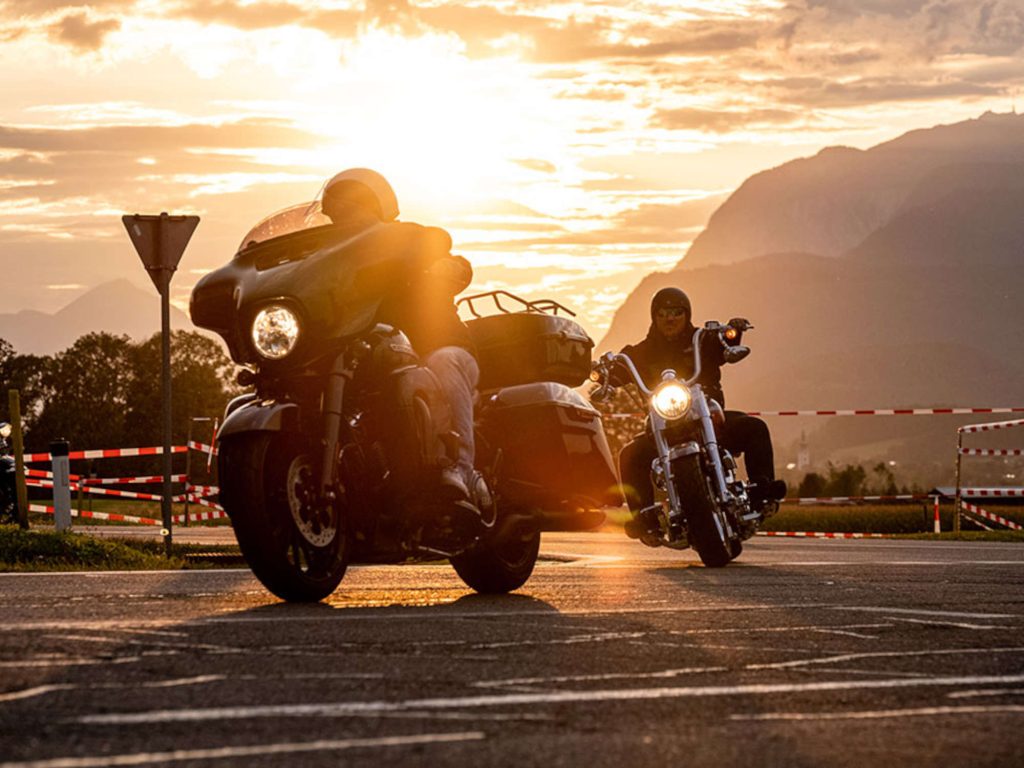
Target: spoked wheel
708, 526
503, 560
295, 546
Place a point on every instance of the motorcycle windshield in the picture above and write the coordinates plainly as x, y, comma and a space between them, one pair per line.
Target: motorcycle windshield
295, 218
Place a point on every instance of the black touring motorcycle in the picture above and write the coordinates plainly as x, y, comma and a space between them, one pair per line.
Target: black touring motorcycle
703, 502
335, 456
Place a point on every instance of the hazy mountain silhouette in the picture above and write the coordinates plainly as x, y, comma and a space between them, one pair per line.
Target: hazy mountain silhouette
116, 307
923, 308
829, 203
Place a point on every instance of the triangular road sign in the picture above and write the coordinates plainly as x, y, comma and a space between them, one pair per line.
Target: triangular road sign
160, 241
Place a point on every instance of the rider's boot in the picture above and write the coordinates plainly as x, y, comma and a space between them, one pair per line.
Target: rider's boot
644, 524
766, 494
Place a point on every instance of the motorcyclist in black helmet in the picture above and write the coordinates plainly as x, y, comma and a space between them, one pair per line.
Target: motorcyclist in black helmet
669, 344
421, 303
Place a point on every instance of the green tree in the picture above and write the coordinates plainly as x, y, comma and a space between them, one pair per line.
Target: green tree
202, 381
84, 394
25, 374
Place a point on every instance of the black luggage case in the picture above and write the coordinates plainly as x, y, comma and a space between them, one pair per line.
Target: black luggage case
525, 347
554, 451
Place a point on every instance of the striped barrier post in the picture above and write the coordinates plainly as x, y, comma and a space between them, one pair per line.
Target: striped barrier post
938, 525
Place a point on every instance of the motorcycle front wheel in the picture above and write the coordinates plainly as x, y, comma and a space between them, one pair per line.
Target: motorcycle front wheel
269, 488
707, 524
503, 561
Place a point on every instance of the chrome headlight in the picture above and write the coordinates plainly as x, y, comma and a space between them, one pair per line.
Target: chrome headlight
275, 331
671, 400
5, 430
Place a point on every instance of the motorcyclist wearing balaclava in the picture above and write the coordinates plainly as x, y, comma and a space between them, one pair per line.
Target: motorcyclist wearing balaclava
669, 344
421, 303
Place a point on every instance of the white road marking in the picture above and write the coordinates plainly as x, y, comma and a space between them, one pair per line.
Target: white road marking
938, 623
986, 692
882, 655
881, 714
256, 750
923, 612
77, 662
29, 693
665, 673
346, 708
42, 690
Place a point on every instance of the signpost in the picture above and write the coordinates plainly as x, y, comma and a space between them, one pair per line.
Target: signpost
160, 241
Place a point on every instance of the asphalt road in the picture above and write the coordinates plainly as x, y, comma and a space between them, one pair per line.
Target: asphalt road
803, 653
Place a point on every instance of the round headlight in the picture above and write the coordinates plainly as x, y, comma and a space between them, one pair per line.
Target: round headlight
5, 430
275, 332
671, 400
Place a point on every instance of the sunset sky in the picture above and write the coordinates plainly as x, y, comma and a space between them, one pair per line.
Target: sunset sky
569, 147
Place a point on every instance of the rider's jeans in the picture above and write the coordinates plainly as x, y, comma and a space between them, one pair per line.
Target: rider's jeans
458, 373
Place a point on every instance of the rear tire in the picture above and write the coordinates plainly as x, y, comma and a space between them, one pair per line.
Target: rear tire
503, 561
269, 485
702, 511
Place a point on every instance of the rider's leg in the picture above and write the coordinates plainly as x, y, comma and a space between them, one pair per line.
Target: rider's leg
635, 469
457, 372
750, 436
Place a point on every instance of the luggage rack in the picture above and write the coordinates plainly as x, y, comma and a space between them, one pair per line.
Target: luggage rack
543, 306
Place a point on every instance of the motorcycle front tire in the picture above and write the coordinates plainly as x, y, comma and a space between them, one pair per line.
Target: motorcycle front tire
701, 512
264, 478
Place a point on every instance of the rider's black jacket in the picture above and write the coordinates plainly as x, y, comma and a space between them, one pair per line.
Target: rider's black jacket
656, 353
421, 292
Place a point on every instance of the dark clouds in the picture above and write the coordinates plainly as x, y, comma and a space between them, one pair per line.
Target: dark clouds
79, 31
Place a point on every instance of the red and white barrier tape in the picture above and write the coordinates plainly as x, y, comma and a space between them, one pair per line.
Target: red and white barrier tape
198, 517
38, 473
202, 447
205, 503
869, 412
201, 490
97, 491
992, 451
111, 516
107, 453
992, 493
976, 520
130, 480
993, 517
991, 427
822, 535
816, 499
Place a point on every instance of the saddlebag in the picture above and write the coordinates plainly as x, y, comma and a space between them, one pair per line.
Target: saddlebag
526, 347
553, 450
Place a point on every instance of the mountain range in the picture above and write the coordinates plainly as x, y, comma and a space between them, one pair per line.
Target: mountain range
888, 277
118, 306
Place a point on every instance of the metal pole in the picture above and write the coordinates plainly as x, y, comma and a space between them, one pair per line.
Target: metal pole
165, 339
21, 491
959, 462
61, 485
188, 466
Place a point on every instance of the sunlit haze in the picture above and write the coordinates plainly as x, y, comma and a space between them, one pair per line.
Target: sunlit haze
569, 147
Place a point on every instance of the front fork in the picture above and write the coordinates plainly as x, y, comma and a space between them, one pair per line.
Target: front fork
334, 399
710, 442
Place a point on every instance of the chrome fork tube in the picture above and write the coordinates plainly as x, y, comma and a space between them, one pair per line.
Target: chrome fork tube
675, 509
711, 444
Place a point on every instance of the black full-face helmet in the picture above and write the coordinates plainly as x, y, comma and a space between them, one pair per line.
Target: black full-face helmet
671, 298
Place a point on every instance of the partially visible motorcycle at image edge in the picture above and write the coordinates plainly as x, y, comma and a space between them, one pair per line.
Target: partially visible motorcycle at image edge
335, 454
8, 485
701, 501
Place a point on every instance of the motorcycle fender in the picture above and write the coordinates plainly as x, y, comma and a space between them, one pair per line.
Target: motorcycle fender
261, 416
683, 449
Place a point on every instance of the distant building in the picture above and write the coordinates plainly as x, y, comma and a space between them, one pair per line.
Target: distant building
803, 454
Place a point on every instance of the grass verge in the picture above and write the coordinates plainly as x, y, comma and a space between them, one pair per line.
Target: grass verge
22, 550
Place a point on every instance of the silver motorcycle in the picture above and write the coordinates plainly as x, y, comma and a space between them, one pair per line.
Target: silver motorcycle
702, 501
